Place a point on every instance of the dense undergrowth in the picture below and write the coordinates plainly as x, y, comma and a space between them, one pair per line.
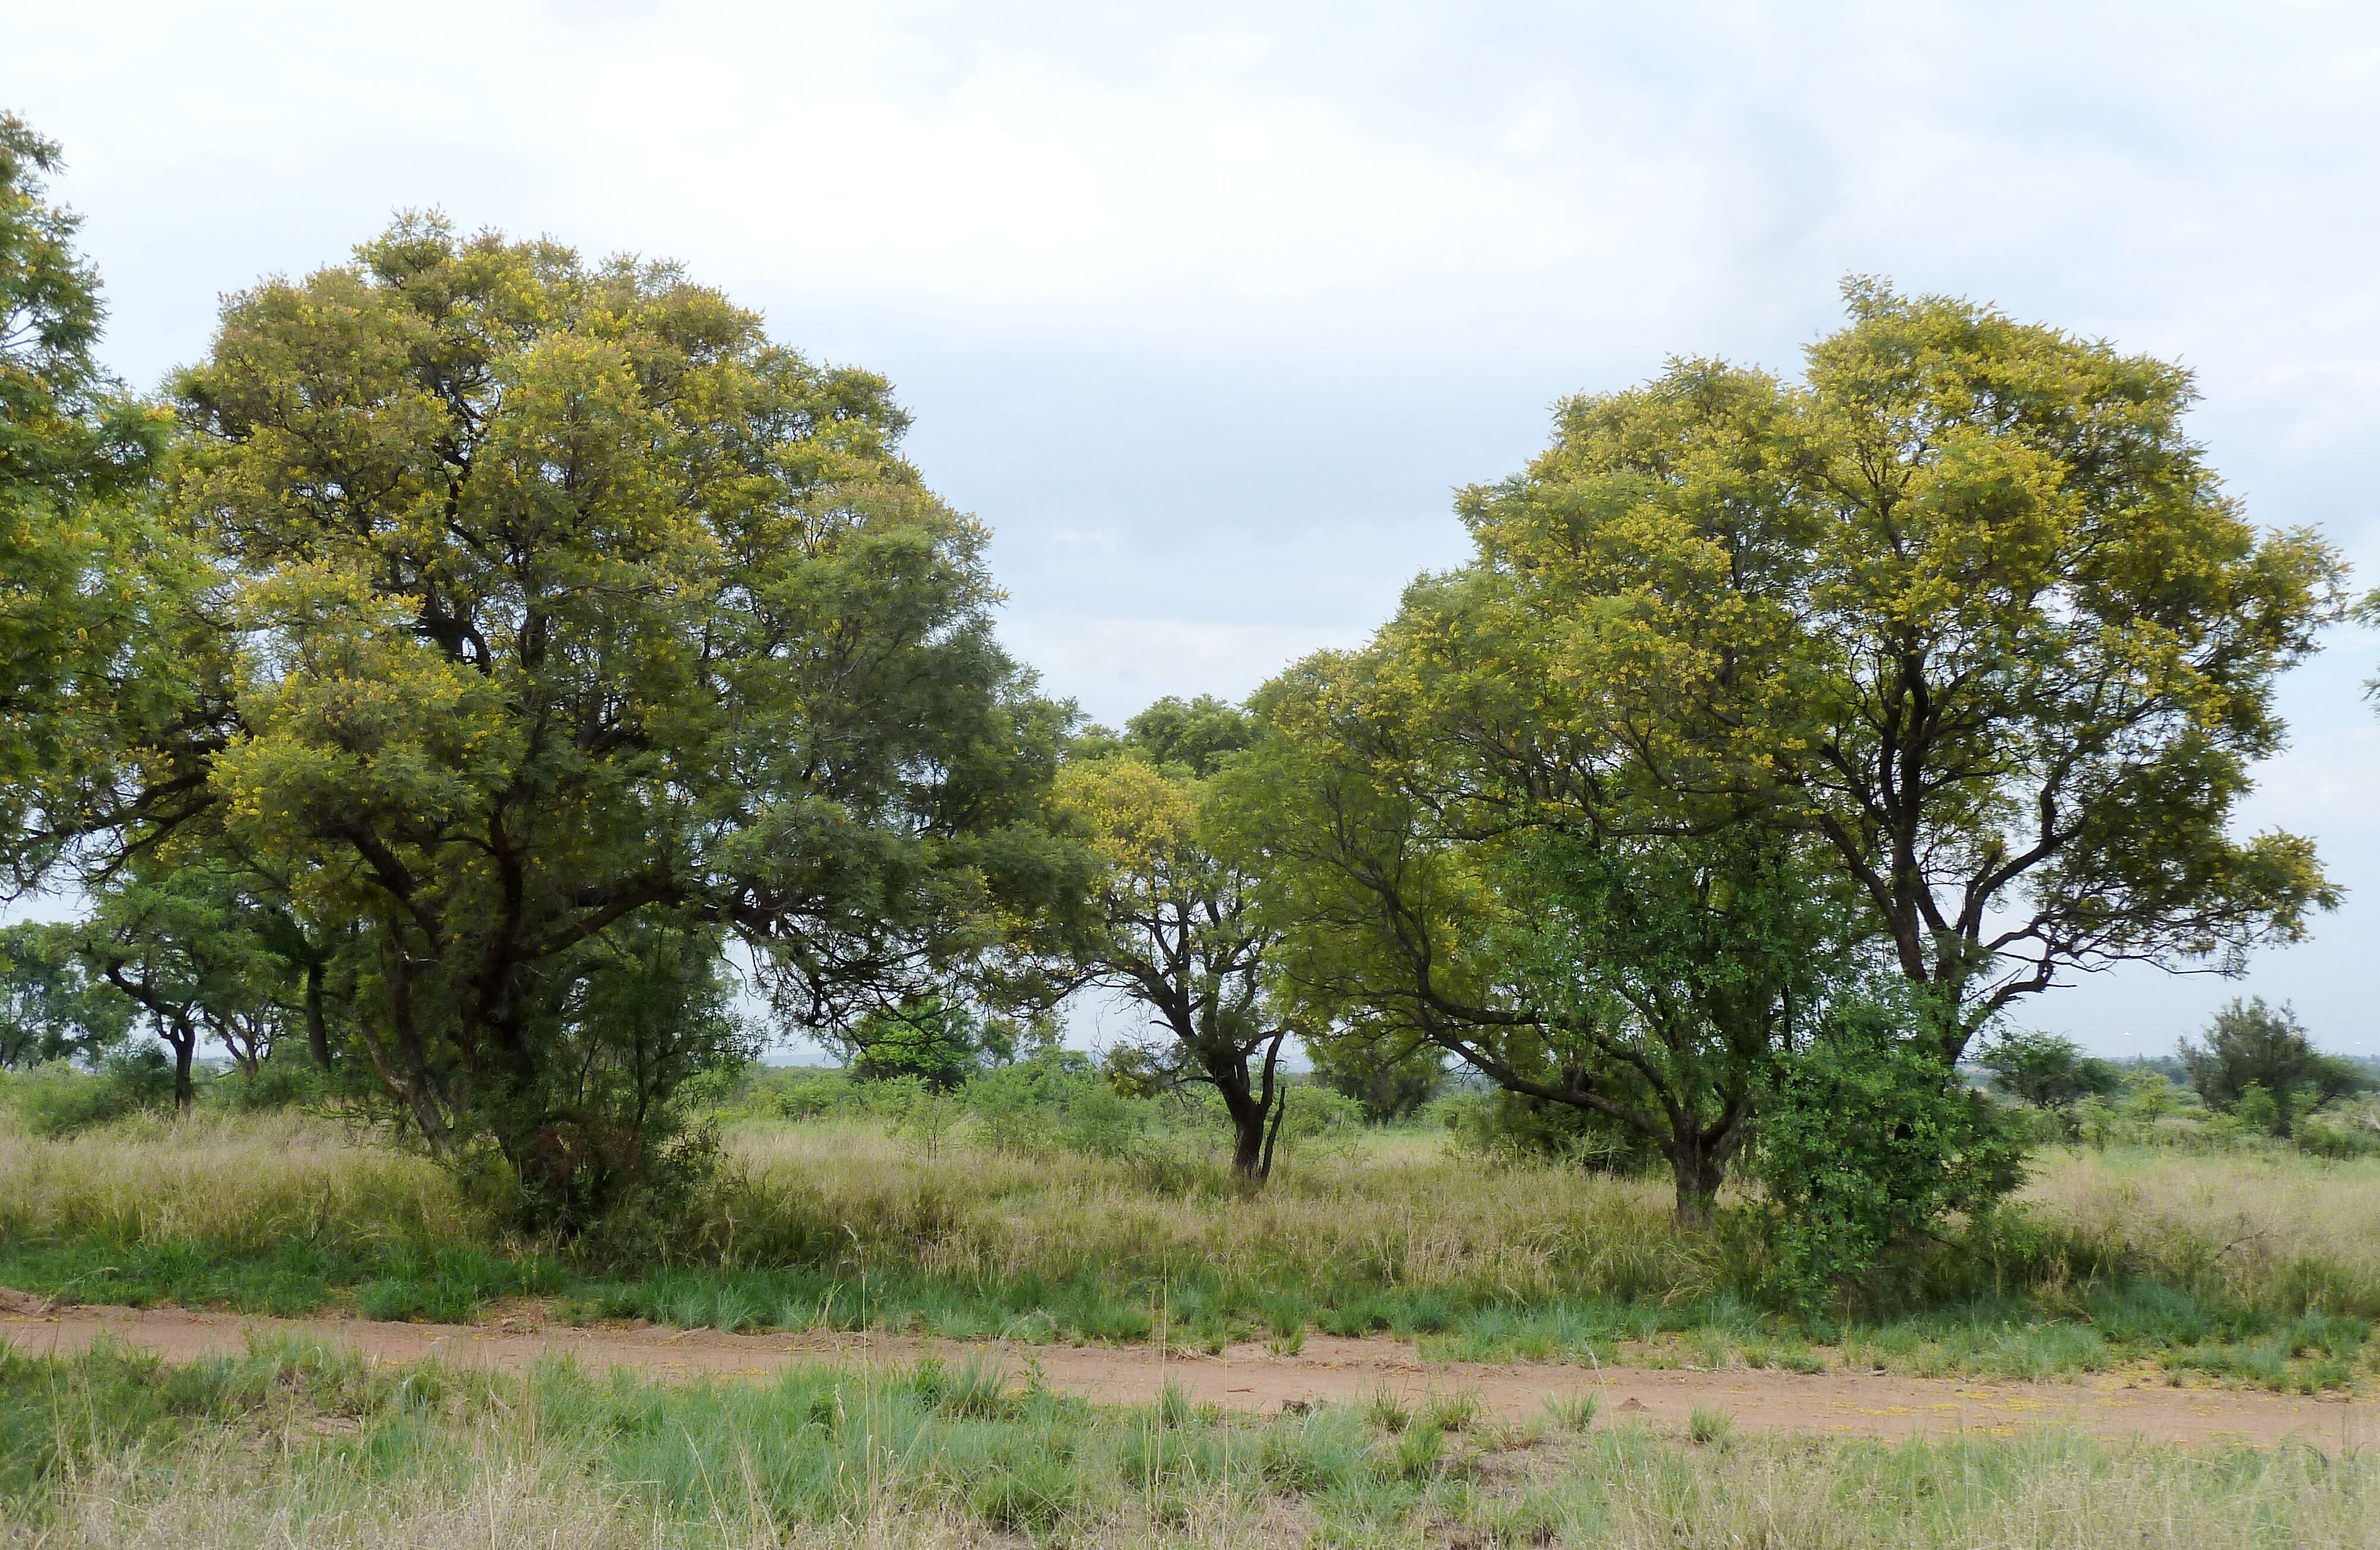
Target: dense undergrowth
290, 1444
2260, 1268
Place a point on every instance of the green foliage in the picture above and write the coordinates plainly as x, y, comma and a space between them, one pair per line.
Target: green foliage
1195, 735
2048, 1072
51, 1006
94, 590
1057, 1100
936, 1040
1868, 1143
1390, 1083
1509, 1125
576, 629
59, 1097
2258, 1064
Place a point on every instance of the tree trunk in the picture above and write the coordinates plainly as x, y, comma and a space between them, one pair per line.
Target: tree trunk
1255, 1108
186, 1046
1698, 1176
318, 1032
1248, 1157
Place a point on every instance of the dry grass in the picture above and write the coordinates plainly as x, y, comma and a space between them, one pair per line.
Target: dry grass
237, 1185
2260, 1225
565, 1461
1394, 1211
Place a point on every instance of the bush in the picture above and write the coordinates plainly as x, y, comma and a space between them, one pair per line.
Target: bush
283, 1079
1504, 1125
58, 1097
1867, 1141
2324, 1138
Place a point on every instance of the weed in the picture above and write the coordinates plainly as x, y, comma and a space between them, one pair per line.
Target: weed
1574, 1412
1710, 1426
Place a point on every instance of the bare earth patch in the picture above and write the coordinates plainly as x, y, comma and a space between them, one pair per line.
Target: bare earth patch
1253, 1377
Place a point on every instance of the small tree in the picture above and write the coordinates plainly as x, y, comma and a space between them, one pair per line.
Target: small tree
2049, 1073
2252, 1045
937, 1041
1174, 923
1430, 894
183, 944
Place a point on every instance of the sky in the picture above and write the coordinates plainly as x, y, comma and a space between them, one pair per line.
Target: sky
1208, 310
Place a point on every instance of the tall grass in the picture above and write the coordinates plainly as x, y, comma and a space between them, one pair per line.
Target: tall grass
297, 1447
2261, 1267
232, 1184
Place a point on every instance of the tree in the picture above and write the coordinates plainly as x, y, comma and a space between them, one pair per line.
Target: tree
1434, 896
52, 1007
1390, 1082
937, 1040
97, 659
1175, 923
583, 630
2049, 1073
2252, 1045
182, 943
2010, 645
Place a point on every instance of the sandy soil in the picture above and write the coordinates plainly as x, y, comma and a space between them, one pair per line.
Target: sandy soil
1255, 1379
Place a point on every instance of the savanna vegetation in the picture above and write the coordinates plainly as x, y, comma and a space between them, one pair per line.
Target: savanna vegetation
465, 718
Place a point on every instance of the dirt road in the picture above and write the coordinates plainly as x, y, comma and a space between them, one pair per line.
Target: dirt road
1253, 1378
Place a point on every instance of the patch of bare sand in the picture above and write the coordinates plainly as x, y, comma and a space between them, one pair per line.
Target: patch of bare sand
1256, 1378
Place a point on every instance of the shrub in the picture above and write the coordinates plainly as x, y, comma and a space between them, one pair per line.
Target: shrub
1867, 1141
2251, 1047
1507, 1125
57, 1098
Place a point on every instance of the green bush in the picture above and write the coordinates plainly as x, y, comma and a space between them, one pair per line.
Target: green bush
1867, 1143
285, 1079
58, 1097
2324, 1138
1507, 1125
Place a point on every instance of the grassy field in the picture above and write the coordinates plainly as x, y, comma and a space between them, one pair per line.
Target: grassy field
2260, 1268
298, 1445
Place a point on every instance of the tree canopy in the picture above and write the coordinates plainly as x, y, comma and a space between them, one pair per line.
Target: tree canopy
580, 629
94, 639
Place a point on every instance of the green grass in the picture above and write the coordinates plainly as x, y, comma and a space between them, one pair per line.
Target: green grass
2256, 1271
293, 1445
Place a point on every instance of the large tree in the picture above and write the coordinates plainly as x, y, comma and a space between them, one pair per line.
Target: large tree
96, 659
1955, 651
1175, 925
582, 630
2021, 644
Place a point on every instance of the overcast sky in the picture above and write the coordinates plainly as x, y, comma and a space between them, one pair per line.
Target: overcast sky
1207, 309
